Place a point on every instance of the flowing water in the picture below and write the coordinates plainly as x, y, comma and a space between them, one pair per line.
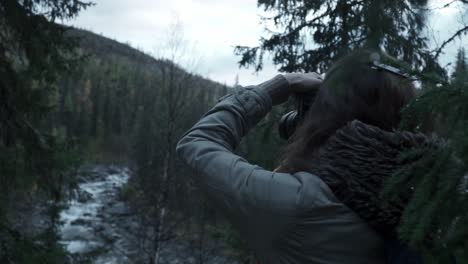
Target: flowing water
85, 228
98, 226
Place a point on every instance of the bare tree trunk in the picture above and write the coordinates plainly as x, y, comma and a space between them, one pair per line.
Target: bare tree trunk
161, 207
174, 94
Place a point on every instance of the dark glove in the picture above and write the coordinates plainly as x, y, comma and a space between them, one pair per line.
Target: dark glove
283, 85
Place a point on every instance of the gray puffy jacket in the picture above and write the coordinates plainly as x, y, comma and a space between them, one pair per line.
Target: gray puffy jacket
285, 218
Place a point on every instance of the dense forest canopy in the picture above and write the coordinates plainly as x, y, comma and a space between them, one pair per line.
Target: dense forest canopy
71, 97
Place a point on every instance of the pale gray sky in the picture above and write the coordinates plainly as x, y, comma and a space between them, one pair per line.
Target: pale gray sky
211, 29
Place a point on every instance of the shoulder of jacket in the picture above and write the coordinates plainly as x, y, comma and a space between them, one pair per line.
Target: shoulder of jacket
314, 191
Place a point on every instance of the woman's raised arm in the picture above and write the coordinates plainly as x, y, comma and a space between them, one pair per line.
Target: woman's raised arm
256, 200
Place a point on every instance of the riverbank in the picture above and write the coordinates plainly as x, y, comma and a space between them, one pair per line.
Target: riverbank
99, 227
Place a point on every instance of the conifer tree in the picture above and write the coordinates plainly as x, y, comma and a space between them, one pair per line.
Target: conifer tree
435, 219
33, 50
460, 72
309, 35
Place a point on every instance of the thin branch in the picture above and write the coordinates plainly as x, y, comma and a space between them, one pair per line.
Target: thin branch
458, 33
441, 7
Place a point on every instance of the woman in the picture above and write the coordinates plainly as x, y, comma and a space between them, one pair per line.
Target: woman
321, 205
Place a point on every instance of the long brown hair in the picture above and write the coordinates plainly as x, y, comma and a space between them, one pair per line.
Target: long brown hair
352, 90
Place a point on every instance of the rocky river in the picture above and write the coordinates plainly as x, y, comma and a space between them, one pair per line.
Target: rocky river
89, 227
97, 225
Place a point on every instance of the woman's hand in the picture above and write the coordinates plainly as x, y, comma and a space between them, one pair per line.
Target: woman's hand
283, 85
303, 82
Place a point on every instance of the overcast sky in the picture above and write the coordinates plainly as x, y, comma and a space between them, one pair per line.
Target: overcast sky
211, 29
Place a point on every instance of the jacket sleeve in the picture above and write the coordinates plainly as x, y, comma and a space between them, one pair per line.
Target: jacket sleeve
256, 200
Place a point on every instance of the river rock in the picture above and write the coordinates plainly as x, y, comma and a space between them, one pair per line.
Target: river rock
83, 196
81, 221
113, 170
119, 209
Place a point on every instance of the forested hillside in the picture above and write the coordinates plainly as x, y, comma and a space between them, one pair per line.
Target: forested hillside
124, 106
104, 102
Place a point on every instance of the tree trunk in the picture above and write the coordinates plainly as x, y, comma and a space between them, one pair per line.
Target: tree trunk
161, 207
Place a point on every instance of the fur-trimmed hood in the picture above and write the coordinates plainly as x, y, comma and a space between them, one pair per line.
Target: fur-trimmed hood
356, 162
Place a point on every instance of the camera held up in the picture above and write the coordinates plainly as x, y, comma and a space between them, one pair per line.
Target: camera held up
291, 120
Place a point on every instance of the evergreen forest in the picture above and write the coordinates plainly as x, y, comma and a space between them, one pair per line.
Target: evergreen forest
88, 130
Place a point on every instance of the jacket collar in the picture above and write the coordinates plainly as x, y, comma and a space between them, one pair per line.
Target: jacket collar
356, 162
